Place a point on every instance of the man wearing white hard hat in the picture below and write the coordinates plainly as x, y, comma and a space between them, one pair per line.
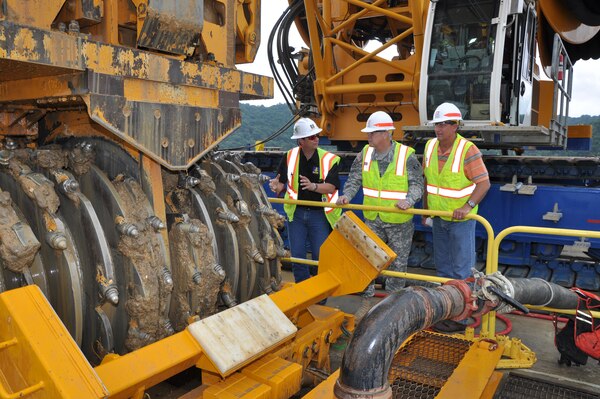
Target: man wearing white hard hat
456, 181
308, 173
390, 175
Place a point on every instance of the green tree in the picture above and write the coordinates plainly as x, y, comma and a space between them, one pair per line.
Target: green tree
259, 123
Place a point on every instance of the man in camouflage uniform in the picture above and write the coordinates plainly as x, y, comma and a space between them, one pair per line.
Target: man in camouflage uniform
399, 183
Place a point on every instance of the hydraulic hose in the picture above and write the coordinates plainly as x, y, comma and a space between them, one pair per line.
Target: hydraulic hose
538, 292
367, 360
368, 357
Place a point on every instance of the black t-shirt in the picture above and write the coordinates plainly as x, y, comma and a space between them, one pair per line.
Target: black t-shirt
309, 168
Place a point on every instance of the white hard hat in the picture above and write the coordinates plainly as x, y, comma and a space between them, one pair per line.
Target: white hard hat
378, 121
305, 127
446, 112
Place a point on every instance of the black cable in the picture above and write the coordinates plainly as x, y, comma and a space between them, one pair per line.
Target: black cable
283, 48
288, 97
272, 64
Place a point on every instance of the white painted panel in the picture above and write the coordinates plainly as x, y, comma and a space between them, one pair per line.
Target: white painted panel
233, 337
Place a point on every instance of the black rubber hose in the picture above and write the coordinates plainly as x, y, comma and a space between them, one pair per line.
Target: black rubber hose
367, 360
538, 292
586, 11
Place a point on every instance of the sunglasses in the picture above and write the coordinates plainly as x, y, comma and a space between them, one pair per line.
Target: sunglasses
378, 131
315, 137
444, 123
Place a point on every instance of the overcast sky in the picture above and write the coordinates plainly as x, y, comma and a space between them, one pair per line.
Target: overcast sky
586, 80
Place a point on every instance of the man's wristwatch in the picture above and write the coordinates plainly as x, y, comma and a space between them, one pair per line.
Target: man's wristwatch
471, 204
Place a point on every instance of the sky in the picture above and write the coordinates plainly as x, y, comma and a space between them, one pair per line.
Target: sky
585, 99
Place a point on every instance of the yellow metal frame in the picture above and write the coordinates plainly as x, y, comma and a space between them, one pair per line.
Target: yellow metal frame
330, 86
474, 371
487, 330
518, 355
38, 357
38, 345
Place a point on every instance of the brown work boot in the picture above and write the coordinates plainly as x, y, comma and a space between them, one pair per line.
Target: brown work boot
366, 304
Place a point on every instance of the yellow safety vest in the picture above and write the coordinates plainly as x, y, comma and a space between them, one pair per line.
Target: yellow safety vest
326, 162
386, 190
449, 189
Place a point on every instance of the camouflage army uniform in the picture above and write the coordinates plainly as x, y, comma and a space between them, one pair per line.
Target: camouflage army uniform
398, 236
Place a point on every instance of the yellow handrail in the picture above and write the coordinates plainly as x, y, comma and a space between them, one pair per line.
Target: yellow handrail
413, 211
488, 323
412, 276
485, 330
536, 230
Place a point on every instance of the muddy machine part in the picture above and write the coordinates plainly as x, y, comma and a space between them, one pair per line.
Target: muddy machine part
262, 346
109, 200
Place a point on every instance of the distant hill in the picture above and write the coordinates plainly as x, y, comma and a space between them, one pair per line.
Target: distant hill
260, 122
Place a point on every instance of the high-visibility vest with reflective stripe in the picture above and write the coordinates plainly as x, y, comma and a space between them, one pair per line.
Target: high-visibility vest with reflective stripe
326, 161
386, 190
449, 189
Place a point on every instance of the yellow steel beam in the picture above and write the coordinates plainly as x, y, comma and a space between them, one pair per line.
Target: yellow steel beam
383, 87
367, 56
142, 90
343, 267
473, 371
417, 7
29, 12
383, 11
38, 357
311, 15
353, 18
152, 364
324, 389
62, 54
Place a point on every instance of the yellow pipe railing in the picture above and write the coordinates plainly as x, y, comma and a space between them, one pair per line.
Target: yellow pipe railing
488, 323
571, 312
536, 230
412, 276
423, 212
434, 279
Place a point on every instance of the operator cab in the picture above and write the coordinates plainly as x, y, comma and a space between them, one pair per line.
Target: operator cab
480, 56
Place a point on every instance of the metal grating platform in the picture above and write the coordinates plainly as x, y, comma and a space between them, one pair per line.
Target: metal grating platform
424, 364
523, 387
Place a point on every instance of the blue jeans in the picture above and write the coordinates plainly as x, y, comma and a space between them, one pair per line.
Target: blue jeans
453, 248
309, 224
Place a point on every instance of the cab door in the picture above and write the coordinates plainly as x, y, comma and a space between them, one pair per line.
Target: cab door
523, 62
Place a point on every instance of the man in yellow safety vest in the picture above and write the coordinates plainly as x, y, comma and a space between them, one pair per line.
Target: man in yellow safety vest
390, 176
308, 173
456, 181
